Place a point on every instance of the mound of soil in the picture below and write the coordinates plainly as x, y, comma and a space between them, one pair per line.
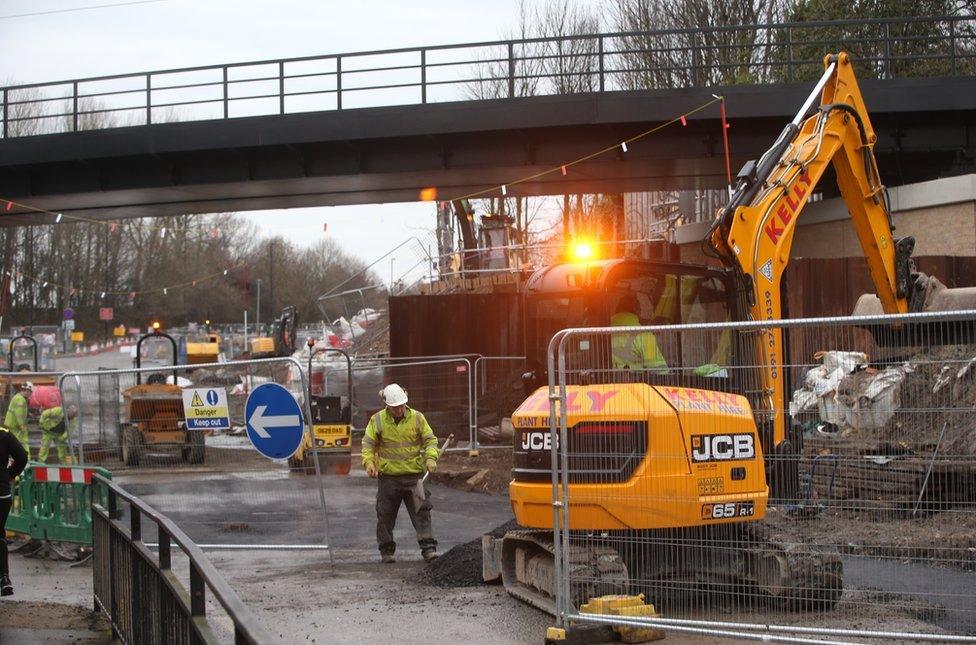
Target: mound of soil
461, 566
455, 469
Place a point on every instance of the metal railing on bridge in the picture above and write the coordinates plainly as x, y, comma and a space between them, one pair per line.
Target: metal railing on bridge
766, 53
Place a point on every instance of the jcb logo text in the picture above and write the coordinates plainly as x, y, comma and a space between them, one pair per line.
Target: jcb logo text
541, 440
722, 447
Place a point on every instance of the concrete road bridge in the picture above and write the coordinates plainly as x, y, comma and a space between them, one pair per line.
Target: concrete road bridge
381, 126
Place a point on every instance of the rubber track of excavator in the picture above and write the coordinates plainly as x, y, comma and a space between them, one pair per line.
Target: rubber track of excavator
796, 577
595, 570
815, 579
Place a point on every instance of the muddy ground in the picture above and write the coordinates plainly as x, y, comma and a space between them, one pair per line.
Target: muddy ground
51, 605
945, 539
455, 469
34, 613
303, 598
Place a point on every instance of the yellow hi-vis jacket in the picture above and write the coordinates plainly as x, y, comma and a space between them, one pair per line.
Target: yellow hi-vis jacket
636, 351
16, 419
52, 418
399, 448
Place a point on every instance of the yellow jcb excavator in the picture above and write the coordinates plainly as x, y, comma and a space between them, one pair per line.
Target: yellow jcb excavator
678, 473
281, 341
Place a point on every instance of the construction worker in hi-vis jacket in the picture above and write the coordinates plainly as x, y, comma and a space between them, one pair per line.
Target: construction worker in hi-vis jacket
398, 447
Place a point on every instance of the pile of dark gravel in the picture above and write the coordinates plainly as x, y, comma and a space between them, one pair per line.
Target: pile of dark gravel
461, 566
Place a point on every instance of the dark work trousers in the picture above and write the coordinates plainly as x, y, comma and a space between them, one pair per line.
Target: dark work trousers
391, 492
4, 511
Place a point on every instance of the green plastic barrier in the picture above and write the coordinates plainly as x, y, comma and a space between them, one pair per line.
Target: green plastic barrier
54, 503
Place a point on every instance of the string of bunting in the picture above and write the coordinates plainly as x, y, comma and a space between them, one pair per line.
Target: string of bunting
8, 205
131, 293
622, 146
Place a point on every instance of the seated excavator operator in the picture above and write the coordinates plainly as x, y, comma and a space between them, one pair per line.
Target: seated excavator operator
636, 351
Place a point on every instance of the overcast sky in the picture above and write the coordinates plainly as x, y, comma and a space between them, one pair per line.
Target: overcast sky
183, 33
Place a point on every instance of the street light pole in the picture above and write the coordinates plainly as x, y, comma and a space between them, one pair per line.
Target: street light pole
257, 315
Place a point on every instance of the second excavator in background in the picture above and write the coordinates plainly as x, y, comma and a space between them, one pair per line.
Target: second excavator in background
281, 340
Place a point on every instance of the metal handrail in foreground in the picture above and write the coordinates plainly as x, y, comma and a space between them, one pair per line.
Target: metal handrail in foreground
137, 588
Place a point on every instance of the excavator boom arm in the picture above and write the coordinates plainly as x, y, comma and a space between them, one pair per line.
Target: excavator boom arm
754, 234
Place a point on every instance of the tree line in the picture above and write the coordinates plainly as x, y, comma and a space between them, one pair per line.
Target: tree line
209, 266
694, 43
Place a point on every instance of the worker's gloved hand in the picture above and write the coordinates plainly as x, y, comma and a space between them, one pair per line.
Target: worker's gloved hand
371, 470
431, 466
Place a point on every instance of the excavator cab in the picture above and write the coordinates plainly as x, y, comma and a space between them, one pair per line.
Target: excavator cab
631, 292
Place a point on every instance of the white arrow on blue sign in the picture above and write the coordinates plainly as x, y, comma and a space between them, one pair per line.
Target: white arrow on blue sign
274, 421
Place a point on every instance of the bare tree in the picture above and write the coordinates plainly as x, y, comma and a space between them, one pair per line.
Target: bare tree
569, 54
493, 72
687, 43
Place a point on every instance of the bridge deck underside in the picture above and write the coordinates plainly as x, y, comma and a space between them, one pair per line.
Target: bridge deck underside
926, 129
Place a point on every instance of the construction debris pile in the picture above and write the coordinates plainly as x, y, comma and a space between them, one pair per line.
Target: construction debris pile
893, 439
848, 394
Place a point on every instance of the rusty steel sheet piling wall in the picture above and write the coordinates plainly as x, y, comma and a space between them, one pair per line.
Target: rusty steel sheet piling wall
456, 324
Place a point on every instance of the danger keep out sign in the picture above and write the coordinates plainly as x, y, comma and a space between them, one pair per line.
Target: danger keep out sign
206, 408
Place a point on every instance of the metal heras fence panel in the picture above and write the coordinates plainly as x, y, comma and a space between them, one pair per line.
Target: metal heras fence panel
212, 482
441, 388
827, 489
497, 390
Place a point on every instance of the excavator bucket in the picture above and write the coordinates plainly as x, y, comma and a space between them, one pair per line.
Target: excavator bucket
933, 296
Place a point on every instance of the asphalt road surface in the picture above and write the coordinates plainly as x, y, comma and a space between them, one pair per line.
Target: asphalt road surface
303, 594
273, 507
109, 359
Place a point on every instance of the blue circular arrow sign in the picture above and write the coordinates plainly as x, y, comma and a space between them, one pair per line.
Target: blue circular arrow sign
274, 421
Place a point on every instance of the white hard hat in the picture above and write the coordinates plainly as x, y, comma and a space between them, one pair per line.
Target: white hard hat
393, 395
28, 385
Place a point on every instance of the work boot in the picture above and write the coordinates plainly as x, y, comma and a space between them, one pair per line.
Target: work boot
6, 587
388, 558
429, 555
